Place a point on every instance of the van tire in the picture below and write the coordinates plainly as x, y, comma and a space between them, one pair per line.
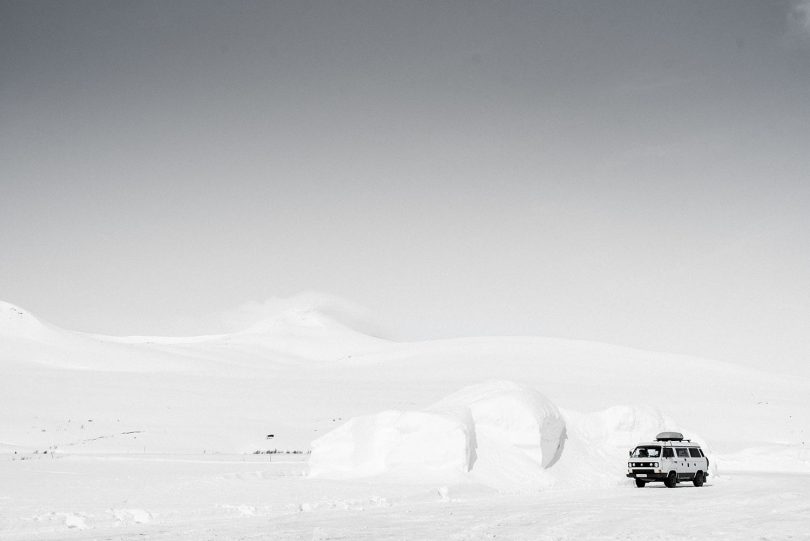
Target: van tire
699, 479
671, 480
640, 483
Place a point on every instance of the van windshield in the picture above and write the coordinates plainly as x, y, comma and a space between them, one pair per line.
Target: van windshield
647, 451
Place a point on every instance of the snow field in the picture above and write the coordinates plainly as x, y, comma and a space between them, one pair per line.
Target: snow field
169, 498
152, 437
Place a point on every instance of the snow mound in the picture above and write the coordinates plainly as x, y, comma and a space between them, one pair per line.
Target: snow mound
774, 457
619, 427
308, 309
507, 417
306, 333
16, 322
392, 440
309, 327
496, 430
597, 439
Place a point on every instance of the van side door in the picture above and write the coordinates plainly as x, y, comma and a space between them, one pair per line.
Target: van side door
668, 460
684, 467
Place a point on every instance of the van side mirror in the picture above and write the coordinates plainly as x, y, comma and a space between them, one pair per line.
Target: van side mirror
630, 453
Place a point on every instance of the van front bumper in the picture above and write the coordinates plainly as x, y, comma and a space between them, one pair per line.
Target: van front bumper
647, 475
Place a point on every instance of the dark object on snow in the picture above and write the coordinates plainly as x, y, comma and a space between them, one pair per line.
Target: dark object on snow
270, 436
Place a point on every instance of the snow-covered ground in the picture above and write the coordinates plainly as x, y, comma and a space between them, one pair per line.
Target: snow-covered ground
148, 437
174, 497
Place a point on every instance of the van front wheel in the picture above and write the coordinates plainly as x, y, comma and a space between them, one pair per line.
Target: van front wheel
671, 480
699, 479
640, 483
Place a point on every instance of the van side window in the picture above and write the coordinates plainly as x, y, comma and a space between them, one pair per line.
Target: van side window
668, 452
694, 452
682, 452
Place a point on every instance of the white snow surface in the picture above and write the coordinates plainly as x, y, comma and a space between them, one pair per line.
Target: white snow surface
518, 437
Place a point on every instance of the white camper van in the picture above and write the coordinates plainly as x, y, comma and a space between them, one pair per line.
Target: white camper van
669, 459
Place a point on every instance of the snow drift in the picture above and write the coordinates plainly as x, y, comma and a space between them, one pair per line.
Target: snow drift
497, 428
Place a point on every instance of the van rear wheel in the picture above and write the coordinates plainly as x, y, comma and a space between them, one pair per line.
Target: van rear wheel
699, 479
640, 483
671, 480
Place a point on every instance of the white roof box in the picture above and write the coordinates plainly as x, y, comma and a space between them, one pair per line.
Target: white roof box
669, 436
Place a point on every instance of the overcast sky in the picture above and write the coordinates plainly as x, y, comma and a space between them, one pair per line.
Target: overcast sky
634, 172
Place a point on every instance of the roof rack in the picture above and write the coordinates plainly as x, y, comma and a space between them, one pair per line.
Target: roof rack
669, 436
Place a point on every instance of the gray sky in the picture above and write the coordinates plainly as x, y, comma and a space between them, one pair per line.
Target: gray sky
633, 172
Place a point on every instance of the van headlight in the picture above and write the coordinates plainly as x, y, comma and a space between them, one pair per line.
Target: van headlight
655, 464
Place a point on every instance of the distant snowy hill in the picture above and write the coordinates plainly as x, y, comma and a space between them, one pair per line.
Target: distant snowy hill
302, 373
16, 323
